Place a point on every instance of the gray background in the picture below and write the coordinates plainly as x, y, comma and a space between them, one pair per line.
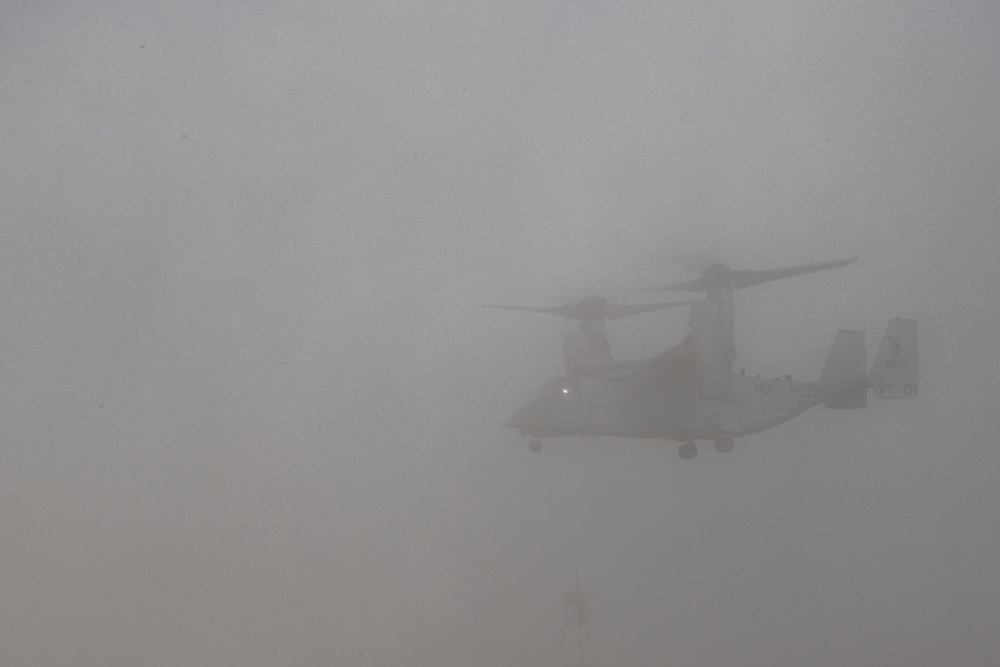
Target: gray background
251, 416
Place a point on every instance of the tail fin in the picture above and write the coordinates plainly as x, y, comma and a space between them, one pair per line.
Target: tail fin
895, 371
847, 359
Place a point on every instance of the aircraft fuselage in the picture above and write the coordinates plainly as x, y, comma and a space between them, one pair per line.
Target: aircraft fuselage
641, 404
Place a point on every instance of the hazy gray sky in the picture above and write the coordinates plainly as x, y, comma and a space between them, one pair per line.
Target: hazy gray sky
251, 416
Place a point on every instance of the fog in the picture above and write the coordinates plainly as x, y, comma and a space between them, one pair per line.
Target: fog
251, 415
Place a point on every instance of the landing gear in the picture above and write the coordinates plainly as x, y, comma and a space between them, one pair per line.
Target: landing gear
535, 446
724, 444
687, 451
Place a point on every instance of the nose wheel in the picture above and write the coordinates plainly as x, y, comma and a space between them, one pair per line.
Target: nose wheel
687, 451
535, 446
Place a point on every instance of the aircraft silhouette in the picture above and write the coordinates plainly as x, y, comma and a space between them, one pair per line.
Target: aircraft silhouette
690, 392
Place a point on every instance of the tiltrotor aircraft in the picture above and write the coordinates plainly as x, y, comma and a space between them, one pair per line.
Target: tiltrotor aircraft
689, 392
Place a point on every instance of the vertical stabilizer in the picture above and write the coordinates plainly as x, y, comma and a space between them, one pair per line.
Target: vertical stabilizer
895, 371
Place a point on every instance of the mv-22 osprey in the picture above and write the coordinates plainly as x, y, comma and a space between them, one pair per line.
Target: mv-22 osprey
690, 392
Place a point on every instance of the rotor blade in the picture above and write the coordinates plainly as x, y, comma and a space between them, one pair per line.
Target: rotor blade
696, 285
588, 310
750, 277
561, 311
616, 311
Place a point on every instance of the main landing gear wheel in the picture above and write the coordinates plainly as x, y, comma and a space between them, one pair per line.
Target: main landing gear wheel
687, 451
535, 446
724, 445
